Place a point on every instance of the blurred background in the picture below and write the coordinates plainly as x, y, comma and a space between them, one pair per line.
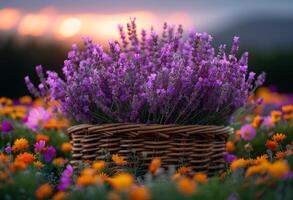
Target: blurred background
41, 32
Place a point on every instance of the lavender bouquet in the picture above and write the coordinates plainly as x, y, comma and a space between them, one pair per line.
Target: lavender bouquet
169, 78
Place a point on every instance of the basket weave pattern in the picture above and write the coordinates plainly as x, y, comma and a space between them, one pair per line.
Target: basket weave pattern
200, 146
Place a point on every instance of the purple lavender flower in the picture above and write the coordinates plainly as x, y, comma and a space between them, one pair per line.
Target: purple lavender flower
6, 127
65, 179
8, 149
40, 145
50, 153
165, 79
247, 132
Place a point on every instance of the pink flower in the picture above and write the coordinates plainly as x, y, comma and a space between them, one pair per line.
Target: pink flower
268, 122
247, 132
40, 145
37, 118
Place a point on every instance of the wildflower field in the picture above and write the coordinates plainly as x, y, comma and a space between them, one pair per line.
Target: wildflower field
35, 159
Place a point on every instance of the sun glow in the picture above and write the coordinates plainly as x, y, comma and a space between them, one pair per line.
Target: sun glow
70, 27
9, 18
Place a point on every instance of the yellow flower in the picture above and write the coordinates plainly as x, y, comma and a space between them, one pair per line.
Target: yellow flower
257, 169
66, 147
26, 158
99, 165
20, 144
118, 160
59, 161
186, 186
184, 170
38, 164
139, 193
60, 195
155, 165
230, 146
44, 191
287, 109
278, 169
25, 100
279, 137
200, 177
122, 181
238, 164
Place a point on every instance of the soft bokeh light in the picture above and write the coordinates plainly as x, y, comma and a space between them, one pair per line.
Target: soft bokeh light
70, 27
9, 18
34, 24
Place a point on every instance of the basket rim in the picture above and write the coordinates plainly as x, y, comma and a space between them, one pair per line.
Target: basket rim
227, 129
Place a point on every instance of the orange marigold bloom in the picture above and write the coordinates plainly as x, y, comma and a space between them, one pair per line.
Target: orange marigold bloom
66, 147
238, 163
42, 137
4, 158
25, 100
257, 169
155, 165
60, 195
87, 162
139, 193
44, 191
118, 160
272, 144
279, 137
99, 165
85, 180
200, 177
17, 165
230, 146
261, 159
287, 109
122, 181
20, 144
280, 155
288, 116
256, 121
184, 170
186, 186
276, 113
26, 158
279, 169
59, 161
56, 124
102, 176
38, 164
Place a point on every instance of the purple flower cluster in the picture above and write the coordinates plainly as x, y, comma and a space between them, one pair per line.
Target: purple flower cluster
65, 179
153, 78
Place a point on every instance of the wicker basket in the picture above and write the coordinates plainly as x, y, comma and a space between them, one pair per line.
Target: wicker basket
199, 146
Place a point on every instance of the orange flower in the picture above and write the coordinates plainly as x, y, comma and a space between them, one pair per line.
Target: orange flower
87, 162
287, 109
4, 158
257, 169
280, 155
26, 158
184, 170
85, 180
175, 176
118, 160
56, 124
99, 165
186, 186
66, 147
20, 144
238, 163
155, 165
260, 159
59, 195
42, 137
271, 144
25, 100
288, 116
230, 146
256, 121
17, 165
279, 137
38, 164
44, 191
122, 181
139, 193
279, 169
200, 177
59, 161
